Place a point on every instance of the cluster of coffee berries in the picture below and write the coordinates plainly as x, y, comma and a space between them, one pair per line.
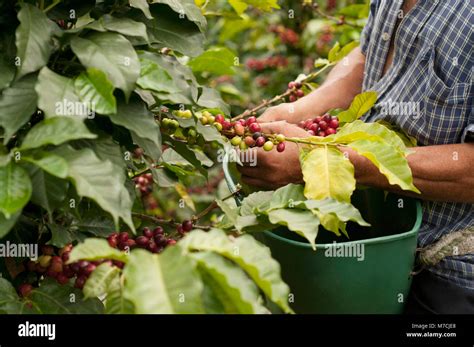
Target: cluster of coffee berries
321, 126
144, 183
274, 62
52, 263
287, 36
248, 134
170, 125
295, 91
218, 121
154, 240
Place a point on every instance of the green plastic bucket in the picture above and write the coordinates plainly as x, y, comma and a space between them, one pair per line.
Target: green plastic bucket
371, 273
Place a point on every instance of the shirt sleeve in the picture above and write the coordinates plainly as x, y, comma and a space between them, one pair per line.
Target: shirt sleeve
367, 31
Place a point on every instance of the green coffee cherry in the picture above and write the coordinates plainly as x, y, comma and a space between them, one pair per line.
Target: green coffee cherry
236, 141
268, 146
280, 138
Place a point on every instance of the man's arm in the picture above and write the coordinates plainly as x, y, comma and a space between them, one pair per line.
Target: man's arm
343, 83
441, 172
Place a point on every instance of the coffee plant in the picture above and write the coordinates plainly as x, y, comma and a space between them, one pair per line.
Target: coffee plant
111, 120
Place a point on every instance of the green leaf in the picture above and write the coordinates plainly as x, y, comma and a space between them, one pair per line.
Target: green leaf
390, 162
232, 27
189, 9
304, 223
7, 71
51, 163
111, 53
337, 53
164, 283
154, 77
355, 11
115, 303
123, 25
5, 226
265, 5
57, 96
218, 61
92, 222
99, 281
96, 249
329, 222
105, 148
150, 148
135, 116
143, 6
235, 289
409, 141
211, 98
182, 154
10, 302
33, 39
100, 181
320, 62
15, 189
344, 211
56, 130
253, 257
95, 90
256, 201
62, 235
286, 196
53, 298
48, 191
328, 174
359, 130
230, 212
169, 30
17, 104
361, 104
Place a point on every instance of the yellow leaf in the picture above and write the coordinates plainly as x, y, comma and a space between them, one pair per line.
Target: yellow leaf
328, 174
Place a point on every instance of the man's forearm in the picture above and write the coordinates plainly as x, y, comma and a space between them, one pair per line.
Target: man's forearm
342, 84
441, 173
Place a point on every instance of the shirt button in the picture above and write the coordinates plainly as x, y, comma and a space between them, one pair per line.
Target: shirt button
385, 36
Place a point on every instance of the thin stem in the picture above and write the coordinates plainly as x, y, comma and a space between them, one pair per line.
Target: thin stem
318, 10
170, 222
213, 205
41, 4
50, 7
148, 169
266, 103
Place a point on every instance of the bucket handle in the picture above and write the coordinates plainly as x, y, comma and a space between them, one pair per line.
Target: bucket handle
234, 187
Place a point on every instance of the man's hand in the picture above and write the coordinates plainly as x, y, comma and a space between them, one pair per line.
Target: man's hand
273, 169
276, 113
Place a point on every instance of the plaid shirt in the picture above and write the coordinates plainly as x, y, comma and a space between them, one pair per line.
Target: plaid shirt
433, 69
